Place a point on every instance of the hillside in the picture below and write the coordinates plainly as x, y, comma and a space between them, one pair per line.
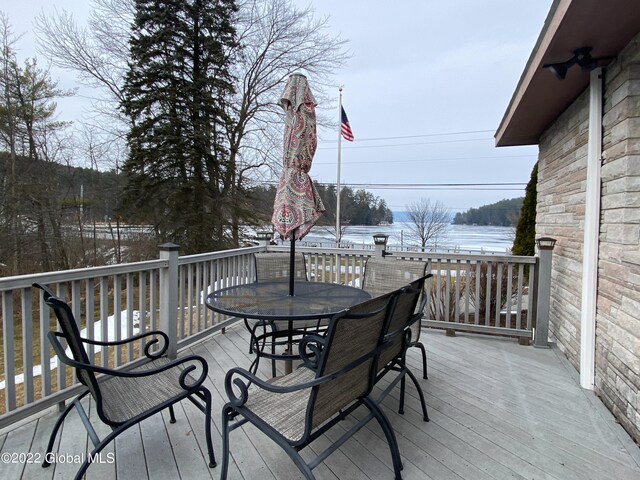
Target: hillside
503, 213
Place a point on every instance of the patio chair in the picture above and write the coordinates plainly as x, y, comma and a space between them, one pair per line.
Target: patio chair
393, 359
335, 379
125, 398
382, 275
275, 267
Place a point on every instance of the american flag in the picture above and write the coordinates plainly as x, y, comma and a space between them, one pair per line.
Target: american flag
345, 129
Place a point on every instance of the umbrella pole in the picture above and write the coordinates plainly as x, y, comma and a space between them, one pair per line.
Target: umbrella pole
292, 263
288, 365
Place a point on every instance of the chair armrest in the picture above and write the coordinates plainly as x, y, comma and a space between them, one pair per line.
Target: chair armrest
147, 347
310, 349
237, 400
182, 379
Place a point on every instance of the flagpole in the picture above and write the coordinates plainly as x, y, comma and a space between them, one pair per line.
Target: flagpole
338, 174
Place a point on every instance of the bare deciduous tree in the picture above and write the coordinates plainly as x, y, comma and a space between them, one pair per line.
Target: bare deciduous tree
428, 222
276, 39
31, 213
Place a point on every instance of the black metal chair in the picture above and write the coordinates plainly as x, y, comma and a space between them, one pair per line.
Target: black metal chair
275, 267
336, 378
124, 398
393, 359
382, 275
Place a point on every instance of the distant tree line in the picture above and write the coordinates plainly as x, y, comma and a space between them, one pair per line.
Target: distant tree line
357, 207
68, 217
504, 213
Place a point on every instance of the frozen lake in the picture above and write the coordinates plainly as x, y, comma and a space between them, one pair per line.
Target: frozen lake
462, 237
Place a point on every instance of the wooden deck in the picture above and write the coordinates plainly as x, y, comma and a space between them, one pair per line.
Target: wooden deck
498, 410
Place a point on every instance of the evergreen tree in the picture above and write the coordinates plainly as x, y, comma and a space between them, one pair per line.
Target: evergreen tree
524, 243
175, 96
504, 213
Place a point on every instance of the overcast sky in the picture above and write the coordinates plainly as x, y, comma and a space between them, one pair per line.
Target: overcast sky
439, 73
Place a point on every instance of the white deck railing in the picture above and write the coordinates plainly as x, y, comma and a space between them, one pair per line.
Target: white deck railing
492, 294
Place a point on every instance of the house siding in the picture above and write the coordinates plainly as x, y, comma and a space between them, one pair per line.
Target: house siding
560, 214
562, 173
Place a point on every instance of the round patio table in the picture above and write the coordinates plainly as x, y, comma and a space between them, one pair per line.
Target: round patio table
270, 301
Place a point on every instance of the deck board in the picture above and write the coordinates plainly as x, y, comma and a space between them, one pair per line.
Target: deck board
498, 411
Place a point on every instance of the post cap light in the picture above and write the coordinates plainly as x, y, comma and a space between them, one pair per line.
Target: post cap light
546, 243
380, 239
263, 235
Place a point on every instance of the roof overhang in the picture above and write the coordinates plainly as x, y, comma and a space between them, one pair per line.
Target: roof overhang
540, 97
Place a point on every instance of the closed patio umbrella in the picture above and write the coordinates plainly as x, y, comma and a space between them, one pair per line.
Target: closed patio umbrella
297, 206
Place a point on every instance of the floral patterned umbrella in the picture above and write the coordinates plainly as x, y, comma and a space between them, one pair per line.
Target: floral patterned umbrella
297, 205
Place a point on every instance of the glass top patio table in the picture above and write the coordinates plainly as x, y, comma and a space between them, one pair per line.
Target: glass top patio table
271, 300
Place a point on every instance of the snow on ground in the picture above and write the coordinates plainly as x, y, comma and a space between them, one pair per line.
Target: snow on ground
97, 335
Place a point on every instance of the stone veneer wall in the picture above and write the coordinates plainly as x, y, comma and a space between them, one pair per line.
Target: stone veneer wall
562, 173
561, 197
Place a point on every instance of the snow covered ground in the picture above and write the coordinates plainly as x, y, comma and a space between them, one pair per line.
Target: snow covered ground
97, 335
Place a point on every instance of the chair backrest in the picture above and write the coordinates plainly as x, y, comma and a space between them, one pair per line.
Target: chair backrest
71, 334
275, 266
401, 317
350, 336
382, 275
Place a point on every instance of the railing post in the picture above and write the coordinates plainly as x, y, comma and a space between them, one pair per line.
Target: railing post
380, 242
264, 238
545, 252
169, 296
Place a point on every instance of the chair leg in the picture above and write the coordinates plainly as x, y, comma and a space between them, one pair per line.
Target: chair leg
425, 415
56, 427
402, 391
227, 412
273, 352
207, 428
252, 333
424, 358
172, 415
389, 434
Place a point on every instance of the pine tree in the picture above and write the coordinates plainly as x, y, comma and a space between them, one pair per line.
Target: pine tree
524, 243
175, 95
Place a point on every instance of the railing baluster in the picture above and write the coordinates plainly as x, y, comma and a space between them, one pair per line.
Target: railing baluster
467, 289
192, 321
104, 314
477, 300
203, 294
509, 295
89, 315
498, 292
438, 310
447, 292
457, 295
531, 304
9, 351
45, 359
142, 304
183, 302
27, 345
129, 300
487, 315
519, 296
117, 317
